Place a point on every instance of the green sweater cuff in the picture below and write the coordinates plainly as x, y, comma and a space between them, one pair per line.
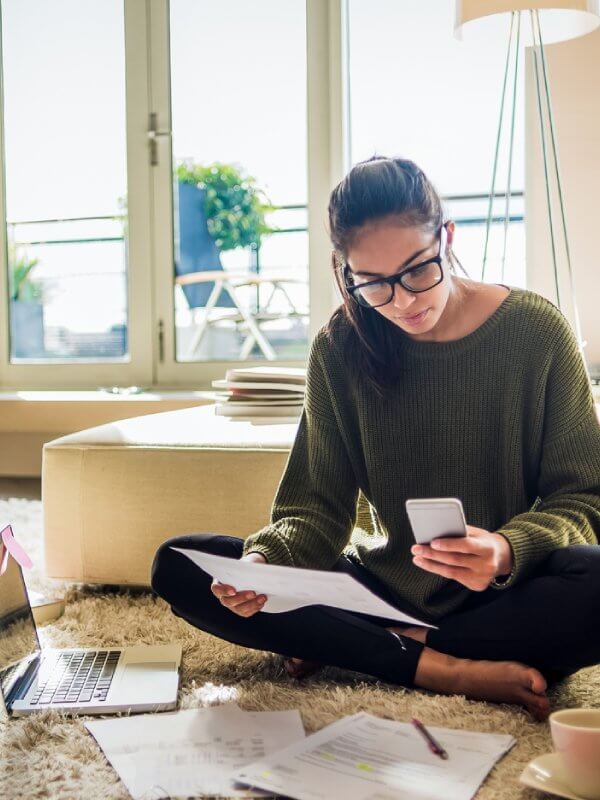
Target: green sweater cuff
525, 550
270, 545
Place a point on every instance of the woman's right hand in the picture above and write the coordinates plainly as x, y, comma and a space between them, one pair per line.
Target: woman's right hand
244, 603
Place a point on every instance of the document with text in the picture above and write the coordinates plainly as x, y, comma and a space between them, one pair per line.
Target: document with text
288, 588
363, 757
192, 752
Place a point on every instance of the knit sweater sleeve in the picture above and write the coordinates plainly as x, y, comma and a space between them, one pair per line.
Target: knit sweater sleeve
567, 510
314, 509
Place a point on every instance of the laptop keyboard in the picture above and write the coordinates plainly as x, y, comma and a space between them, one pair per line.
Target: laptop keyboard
78, 676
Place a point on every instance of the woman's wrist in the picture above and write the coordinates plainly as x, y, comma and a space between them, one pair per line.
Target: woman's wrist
505, 558
256, 556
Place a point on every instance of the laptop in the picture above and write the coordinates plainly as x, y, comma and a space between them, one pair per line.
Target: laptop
76, 680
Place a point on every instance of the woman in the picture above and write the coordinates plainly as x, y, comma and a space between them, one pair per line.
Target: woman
426, 384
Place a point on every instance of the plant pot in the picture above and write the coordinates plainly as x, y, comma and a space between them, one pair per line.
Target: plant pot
195, 249
26, 329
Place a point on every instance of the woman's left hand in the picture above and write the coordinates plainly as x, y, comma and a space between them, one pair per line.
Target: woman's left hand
473, 560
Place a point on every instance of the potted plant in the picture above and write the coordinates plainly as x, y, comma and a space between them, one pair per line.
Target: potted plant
26, 306
233, 204
218, 209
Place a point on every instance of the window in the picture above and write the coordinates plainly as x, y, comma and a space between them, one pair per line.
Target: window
419, 93
121, 117
66, 180
238, 106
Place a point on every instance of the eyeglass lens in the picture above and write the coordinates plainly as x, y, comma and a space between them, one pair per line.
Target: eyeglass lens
380, 292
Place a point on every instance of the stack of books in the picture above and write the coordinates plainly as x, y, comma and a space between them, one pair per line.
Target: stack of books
261, 394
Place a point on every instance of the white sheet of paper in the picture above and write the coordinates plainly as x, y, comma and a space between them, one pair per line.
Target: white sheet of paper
362, 757
192, 752
287, 588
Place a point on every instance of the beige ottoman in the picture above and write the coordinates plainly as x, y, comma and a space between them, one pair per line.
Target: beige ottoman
113, 493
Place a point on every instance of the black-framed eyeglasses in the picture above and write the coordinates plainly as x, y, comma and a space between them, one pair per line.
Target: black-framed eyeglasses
420, 278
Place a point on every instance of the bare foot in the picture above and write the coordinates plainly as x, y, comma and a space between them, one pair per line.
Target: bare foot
499, 681
416, 632
299, 668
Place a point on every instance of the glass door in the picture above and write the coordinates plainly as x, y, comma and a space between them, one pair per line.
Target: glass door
230, 172
76, 278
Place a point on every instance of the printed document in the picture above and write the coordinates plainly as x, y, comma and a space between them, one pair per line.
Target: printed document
192, 752
287, 588
362, 757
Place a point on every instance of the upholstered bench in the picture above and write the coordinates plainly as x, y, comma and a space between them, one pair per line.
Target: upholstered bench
113, 493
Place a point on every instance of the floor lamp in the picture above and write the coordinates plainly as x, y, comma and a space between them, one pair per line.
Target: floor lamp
544, 22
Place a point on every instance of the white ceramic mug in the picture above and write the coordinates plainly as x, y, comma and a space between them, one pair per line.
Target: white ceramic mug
576, 737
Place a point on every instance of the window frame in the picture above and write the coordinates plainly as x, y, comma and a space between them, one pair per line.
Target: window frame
138, 369
151, 330
327, 162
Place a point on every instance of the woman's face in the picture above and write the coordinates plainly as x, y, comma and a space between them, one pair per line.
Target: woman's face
383, 249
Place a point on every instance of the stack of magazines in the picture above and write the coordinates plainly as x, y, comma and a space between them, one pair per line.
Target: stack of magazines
261, 394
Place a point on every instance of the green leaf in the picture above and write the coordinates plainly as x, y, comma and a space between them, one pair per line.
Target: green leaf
233, 205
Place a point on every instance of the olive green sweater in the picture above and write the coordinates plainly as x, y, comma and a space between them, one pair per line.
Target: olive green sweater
503, 419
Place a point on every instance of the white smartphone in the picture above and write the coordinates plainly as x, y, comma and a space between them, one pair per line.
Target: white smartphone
436, 518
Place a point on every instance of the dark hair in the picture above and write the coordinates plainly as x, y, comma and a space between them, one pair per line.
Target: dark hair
373, 189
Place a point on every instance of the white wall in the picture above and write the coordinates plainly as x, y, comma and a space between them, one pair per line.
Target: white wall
574, 76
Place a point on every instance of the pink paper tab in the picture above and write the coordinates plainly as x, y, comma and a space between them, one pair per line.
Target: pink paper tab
14, 548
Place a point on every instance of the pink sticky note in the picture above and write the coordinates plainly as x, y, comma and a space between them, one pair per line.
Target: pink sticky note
14, 548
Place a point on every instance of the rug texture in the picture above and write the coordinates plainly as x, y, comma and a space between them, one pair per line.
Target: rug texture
53, 756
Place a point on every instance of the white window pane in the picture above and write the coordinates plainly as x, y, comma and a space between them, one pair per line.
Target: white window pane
238, 89
419, 93
66, 178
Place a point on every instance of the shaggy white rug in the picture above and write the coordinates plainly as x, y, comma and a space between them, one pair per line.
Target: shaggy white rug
51, 756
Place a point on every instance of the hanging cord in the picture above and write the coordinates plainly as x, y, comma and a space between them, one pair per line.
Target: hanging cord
580, 341
452, 259
494, 170
544, 157
510, 148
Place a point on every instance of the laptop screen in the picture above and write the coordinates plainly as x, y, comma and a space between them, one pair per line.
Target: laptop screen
18, 636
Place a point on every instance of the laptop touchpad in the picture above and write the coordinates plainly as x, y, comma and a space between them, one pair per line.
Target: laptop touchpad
144, 667
149, 680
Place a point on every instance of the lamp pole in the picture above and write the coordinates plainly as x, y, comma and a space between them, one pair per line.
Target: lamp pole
566, 19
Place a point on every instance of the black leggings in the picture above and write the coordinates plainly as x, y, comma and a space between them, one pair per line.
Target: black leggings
548, 621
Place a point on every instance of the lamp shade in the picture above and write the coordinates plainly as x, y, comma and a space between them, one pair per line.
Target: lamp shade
559, 19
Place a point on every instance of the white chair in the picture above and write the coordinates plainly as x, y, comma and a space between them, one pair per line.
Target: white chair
226, 281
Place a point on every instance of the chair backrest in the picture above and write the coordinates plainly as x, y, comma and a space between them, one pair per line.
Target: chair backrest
195, 249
